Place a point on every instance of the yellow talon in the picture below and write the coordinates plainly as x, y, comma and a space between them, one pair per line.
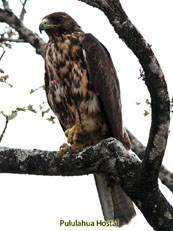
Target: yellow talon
63, 149
72, 134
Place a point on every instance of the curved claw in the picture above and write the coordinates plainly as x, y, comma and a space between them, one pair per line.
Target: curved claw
72, 134
63, 149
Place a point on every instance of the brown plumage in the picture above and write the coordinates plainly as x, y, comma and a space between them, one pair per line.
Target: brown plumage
83, 91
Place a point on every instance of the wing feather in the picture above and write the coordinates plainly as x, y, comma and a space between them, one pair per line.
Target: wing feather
103, 77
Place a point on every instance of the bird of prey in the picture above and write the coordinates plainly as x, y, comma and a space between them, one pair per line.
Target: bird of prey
83, 91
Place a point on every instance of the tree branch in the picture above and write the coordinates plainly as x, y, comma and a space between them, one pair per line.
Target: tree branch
6, 5
24, 33
2, 55
23, 11
154, 79
2, 39
137, 146
5, 127
165, 175
108, 157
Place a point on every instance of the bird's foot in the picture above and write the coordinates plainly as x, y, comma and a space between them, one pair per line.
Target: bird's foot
72, 134
63, 149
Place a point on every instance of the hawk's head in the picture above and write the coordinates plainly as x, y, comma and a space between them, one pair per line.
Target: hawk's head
59, 23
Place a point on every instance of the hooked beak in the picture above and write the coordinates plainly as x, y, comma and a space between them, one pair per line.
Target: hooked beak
43, 25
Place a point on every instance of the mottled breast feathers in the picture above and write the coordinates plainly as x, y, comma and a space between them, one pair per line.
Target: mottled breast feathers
82, 87
70, 93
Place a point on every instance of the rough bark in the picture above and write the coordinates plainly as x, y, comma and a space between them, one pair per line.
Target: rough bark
25, 34
139, 179
108, 157
165, 175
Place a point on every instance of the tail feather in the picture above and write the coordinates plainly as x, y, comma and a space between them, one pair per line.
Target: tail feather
116, 205
105, 197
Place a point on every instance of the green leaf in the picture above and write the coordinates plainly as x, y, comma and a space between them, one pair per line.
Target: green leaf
147, 101
12, 115
42, 105
38, 88
30, 108
1, 71
32, 91
20, 109
146, 113
4, 78
51, 119
44, 112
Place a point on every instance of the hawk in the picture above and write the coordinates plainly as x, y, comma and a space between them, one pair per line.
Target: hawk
83, 91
